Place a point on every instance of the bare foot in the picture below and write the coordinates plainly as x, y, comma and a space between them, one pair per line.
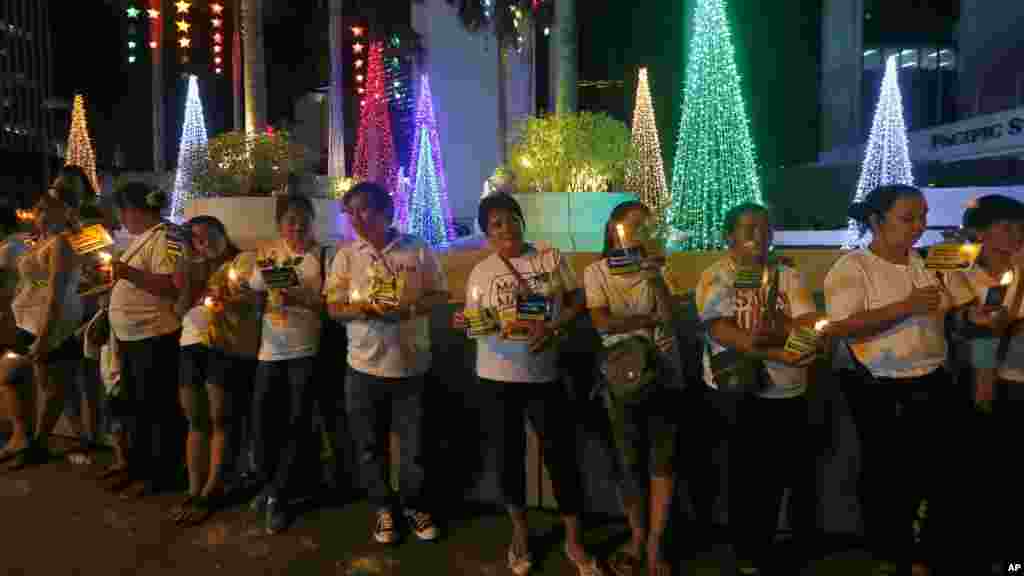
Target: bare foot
656, 563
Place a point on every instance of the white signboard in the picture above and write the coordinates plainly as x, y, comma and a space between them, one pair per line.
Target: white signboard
992, 135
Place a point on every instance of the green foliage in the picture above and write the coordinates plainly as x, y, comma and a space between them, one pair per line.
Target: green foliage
577, 152
240, 164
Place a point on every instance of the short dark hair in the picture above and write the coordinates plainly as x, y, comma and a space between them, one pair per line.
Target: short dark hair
878, 202
499, 201
377, 197
213, 223
987, 210
734, 214
141, 196
291, 202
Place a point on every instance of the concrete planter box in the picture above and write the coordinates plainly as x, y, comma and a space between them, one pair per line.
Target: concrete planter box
250, 220
569, 221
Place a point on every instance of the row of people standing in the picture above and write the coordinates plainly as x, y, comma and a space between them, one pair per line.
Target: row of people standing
881, 299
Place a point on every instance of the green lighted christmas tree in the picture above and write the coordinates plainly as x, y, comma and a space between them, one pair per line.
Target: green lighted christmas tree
715, 162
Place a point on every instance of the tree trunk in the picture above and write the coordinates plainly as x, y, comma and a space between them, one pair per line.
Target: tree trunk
566, 60
335, 94
502, 103
255, 67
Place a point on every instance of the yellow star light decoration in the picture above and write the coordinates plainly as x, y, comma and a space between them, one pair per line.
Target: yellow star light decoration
183, 26
182, 6
184, 42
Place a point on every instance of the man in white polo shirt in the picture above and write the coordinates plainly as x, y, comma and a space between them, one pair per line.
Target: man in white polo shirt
388, 349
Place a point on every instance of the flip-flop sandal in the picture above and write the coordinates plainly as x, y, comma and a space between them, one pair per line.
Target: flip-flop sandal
179, 512
135, 490
111, 472
118, 483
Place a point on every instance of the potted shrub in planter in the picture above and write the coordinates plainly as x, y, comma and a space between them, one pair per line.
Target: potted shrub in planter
565, 167
239, 180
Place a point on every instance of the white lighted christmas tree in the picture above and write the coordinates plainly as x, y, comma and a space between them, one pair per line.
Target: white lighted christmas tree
425, 211
79, 150
192, 151
646, 175
887, 159
715, 164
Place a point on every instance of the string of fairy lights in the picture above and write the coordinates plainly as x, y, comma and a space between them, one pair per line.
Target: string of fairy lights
183, 28
217, 35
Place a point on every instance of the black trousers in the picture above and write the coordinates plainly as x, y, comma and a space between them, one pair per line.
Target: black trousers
772, 448
909, 454
149, 408
504, 427
282, 418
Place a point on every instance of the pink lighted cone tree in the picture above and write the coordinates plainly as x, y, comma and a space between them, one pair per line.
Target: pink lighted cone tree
375, 151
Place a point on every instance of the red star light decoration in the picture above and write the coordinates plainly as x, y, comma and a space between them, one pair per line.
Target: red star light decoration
216, 8
153, 13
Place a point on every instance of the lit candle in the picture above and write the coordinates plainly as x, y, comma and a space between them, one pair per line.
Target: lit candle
622, 234
354, 296
820, 325
475, 297
11, 355
105, 257
232, 275
208, 302
1007, 278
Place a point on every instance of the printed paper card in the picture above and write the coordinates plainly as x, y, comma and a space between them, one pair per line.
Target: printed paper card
949, 256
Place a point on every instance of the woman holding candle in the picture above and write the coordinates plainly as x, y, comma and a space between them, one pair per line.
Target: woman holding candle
772, 416
282, 397
638, 303
147, 331
995, 351
388, 352
890, 311
203, 378
47, 311
518, 368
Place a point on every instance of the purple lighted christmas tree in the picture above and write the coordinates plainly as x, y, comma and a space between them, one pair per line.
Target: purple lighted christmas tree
425, 211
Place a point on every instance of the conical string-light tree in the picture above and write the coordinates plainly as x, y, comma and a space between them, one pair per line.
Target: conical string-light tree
646, 175
715, 164
425, 212
79, 150
887, 159
375, 151
192, 152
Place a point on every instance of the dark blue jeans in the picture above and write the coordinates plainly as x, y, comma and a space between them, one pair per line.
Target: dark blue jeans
282, 416
372, 403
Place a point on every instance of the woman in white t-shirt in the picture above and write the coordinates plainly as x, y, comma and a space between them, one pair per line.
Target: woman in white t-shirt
283, 395
891, 311
147, 329
203, 370
995, 363
518, 369
47, 311
624, 305
772, 422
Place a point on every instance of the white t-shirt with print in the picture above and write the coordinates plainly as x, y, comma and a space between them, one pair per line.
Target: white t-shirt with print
717, 297
381, 348
548, 274
979, 281
134, 313
916, 346
292, 331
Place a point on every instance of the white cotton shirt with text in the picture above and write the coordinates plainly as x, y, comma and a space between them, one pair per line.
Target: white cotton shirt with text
547, 273
717, 297
293, 331
380, 348
979, 281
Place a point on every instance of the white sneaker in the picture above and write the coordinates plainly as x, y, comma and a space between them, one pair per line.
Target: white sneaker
384, 531
421, 524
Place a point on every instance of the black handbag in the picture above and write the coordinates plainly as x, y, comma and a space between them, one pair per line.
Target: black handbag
630, 367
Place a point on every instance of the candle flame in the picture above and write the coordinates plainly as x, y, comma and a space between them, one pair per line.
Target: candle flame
971, 250
11, 355
105, 257
232, 275
208, 301
622, 232
820, 325
476, 294
355, 294
25, 215
1007, 278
